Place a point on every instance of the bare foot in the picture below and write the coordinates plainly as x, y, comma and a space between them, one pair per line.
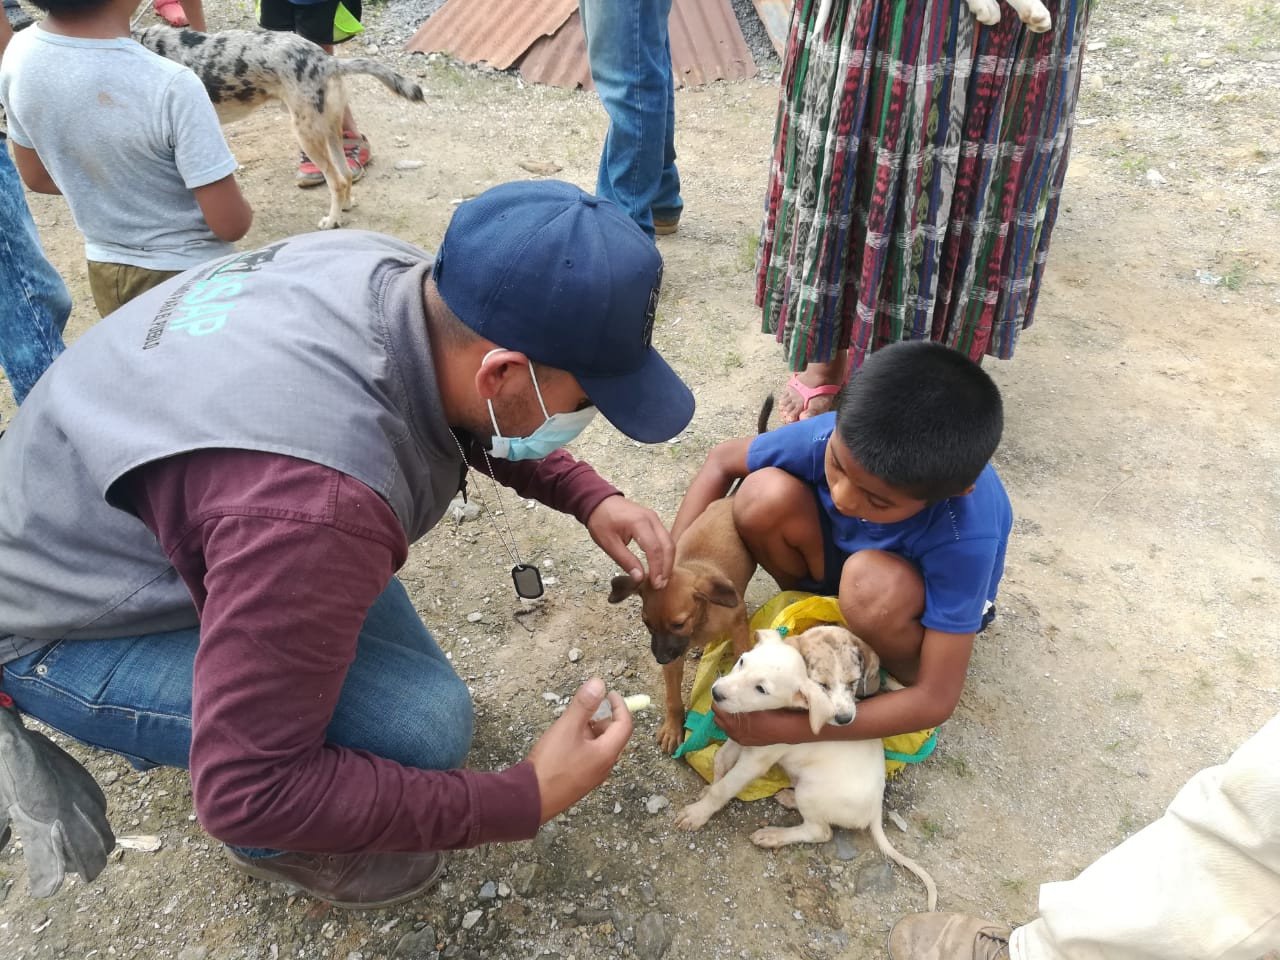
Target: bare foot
793, 405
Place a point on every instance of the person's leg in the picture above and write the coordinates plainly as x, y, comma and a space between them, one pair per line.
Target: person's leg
1201, 882
778, 518
798, 399
132, 695
882, 600
34, 303
631, 68
668, 204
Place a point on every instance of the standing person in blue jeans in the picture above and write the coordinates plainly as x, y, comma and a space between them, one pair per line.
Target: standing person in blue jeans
211, 583
629, 51
34, 303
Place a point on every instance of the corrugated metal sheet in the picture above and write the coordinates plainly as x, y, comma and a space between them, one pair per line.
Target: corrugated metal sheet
706, 41
559, 60
776, 17
496, 32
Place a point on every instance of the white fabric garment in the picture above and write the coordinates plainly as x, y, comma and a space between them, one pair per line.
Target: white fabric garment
1201, 883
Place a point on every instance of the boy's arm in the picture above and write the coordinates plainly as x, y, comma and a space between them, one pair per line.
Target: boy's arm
944, 663
725, 463
225, 209
31, 169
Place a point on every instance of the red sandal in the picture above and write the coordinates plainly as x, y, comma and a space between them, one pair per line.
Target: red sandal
808, 394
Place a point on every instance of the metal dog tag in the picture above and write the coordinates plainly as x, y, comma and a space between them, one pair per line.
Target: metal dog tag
528, 581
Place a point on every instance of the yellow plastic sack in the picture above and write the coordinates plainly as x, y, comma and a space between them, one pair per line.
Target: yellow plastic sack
794, 612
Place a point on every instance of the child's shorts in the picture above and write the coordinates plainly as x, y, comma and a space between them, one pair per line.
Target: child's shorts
833, 559
314, 21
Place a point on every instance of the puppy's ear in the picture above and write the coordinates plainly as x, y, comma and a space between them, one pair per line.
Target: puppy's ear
768, 636
621, 587
821, 709
719, 590
869, 682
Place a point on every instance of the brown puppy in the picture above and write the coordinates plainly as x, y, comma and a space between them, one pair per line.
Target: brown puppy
703, 600
843, 666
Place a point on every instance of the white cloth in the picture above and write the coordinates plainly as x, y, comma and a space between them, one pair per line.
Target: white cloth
1201, 883
126, 135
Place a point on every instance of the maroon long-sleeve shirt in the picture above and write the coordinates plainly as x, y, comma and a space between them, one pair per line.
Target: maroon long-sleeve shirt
283, 558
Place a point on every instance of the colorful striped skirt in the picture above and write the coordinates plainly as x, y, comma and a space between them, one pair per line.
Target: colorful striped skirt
918, 161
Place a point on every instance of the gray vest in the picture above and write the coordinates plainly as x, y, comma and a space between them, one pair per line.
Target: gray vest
315, 347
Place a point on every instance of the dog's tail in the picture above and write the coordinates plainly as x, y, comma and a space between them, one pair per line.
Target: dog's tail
395, 82
931, 888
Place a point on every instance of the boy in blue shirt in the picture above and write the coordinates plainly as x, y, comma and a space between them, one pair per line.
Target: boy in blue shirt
890, 504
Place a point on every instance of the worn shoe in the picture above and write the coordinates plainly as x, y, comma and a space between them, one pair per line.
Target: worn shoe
664, 228
357, 150
358, 156
353, 881
947, 936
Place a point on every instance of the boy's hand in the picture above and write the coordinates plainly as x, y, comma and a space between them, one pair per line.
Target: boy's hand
576, 754
762, 728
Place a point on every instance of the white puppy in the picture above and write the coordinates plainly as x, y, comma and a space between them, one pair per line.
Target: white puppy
837, 783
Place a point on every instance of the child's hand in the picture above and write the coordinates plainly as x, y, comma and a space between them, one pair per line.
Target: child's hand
764, 727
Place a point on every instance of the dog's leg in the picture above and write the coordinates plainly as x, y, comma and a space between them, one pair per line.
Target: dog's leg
810, 831
320, 135
741, 635
786, 798
726, 757
751, 764
672, 730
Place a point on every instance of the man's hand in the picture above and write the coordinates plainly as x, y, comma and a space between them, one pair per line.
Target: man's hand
761, 728
616, 522
576, 754
55, 805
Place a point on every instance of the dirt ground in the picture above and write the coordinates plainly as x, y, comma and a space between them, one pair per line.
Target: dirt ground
1137, 638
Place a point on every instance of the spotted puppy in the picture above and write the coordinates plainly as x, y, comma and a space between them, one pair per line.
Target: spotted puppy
243, 69
842, 666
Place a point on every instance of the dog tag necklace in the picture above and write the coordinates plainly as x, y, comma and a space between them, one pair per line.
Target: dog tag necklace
526, 577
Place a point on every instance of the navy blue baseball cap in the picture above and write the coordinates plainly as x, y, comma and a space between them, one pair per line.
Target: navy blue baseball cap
570, 281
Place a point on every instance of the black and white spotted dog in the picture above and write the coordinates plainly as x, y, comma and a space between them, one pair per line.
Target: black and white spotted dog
243, 69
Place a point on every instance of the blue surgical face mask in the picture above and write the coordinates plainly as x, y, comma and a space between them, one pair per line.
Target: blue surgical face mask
555, 432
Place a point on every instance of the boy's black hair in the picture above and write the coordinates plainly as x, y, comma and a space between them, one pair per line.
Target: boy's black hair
921, 417
68, 8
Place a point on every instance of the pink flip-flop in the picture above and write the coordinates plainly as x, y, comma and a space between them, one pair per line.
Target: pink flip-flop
807, 394
171, 11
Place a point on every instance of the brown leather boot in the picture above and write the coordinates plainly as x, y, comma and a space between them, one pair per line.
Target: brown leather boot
353, 881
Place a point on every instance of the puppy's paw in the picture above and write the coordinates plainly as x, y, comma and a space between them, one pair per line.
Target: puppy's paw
985, 11
770, 837
786, 798
694, 816
669, 736
330, 223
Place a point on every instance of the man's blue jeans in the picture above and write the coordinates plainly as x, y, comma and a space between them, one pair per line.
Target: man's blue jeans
132, 695
630, 56
34, 303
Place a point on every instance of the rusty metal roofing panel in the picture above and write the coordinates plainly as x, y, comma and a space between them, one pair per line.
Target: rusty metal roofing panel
492, 31
707, 43
559, 60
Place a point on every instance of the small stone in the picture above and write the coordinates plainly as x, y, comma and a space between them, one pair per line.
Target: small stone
415, 945
1156, 178
409, 164
108, 778
841, 846
504, 890
591, 916
877, 879
525, 879
471, 918
489, 890
647, 893
550, 697
475, 616
1206, 62
656, 803
193, 953
540, 168
574, 654
652, 937
617, 807
1096, 45
372, 49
